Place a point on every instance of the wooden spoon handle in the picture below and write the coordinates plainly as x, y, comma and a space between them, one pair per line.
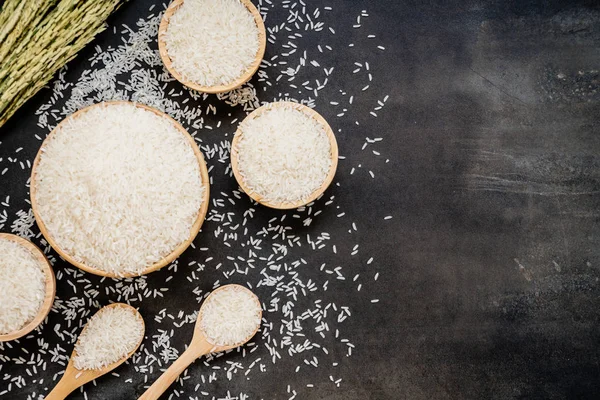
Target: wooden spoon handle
171, 374
63, 388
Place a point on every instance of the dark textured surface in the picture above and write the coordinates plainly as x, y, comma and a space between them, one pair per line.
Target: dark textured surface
490, 266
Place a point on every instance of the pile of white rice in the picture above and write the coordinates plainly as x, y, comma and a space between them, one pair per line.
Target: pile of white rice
22, 286
230, 315
212, 42
283, 155
118, 187
111, 334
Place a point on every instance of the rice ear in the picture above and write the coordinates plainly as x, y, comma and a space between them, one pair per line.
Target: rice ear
39, 37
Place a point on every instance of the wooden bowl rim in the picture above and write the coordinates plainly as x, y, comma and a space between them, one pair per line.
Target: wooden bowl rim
317, 192
245, 77
50, 289
198, 326
171, 256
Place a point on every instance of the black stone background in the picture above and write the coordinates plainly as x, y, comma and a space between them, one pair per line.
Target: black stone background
492, 130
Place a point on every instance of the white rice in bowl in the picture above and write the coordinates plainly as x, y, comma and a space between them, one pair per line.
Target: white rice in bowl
22, 286
283, 154
118, 187
212, 42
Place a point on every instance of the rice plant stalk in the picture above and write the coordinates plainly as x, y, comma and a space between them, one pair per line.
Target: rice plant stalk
38, 37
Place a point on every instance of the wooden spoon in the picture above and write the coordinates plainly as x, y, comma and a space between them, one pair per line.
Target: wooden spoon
74, 378
50, 287
198, 347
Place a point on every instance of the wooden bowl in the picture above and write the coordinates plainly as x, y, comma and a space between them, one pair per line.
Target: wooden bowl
245, 77
159, 264
334, 156
50, 288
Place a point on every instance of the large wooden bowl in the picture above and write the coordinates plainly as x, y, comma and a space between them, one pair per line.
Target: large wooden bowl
334, 156
245, 77
50, 287
159, 264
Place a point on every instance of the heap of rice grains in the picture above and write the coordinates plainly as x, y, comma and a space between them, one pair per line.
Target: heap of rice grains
118, 187
283, 154
212, 42
110, 335
22, 286
230, 315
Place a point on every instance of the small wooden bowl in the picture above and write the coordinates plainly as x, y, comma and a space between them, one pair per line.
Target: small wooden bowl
334, 156
245, 77
159, 264
50, 287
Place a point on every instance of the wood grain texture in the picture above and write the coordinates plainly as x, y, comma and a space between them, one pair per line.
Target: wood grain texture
50, 287
74, 378
245, 77
171, 256
316, 193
